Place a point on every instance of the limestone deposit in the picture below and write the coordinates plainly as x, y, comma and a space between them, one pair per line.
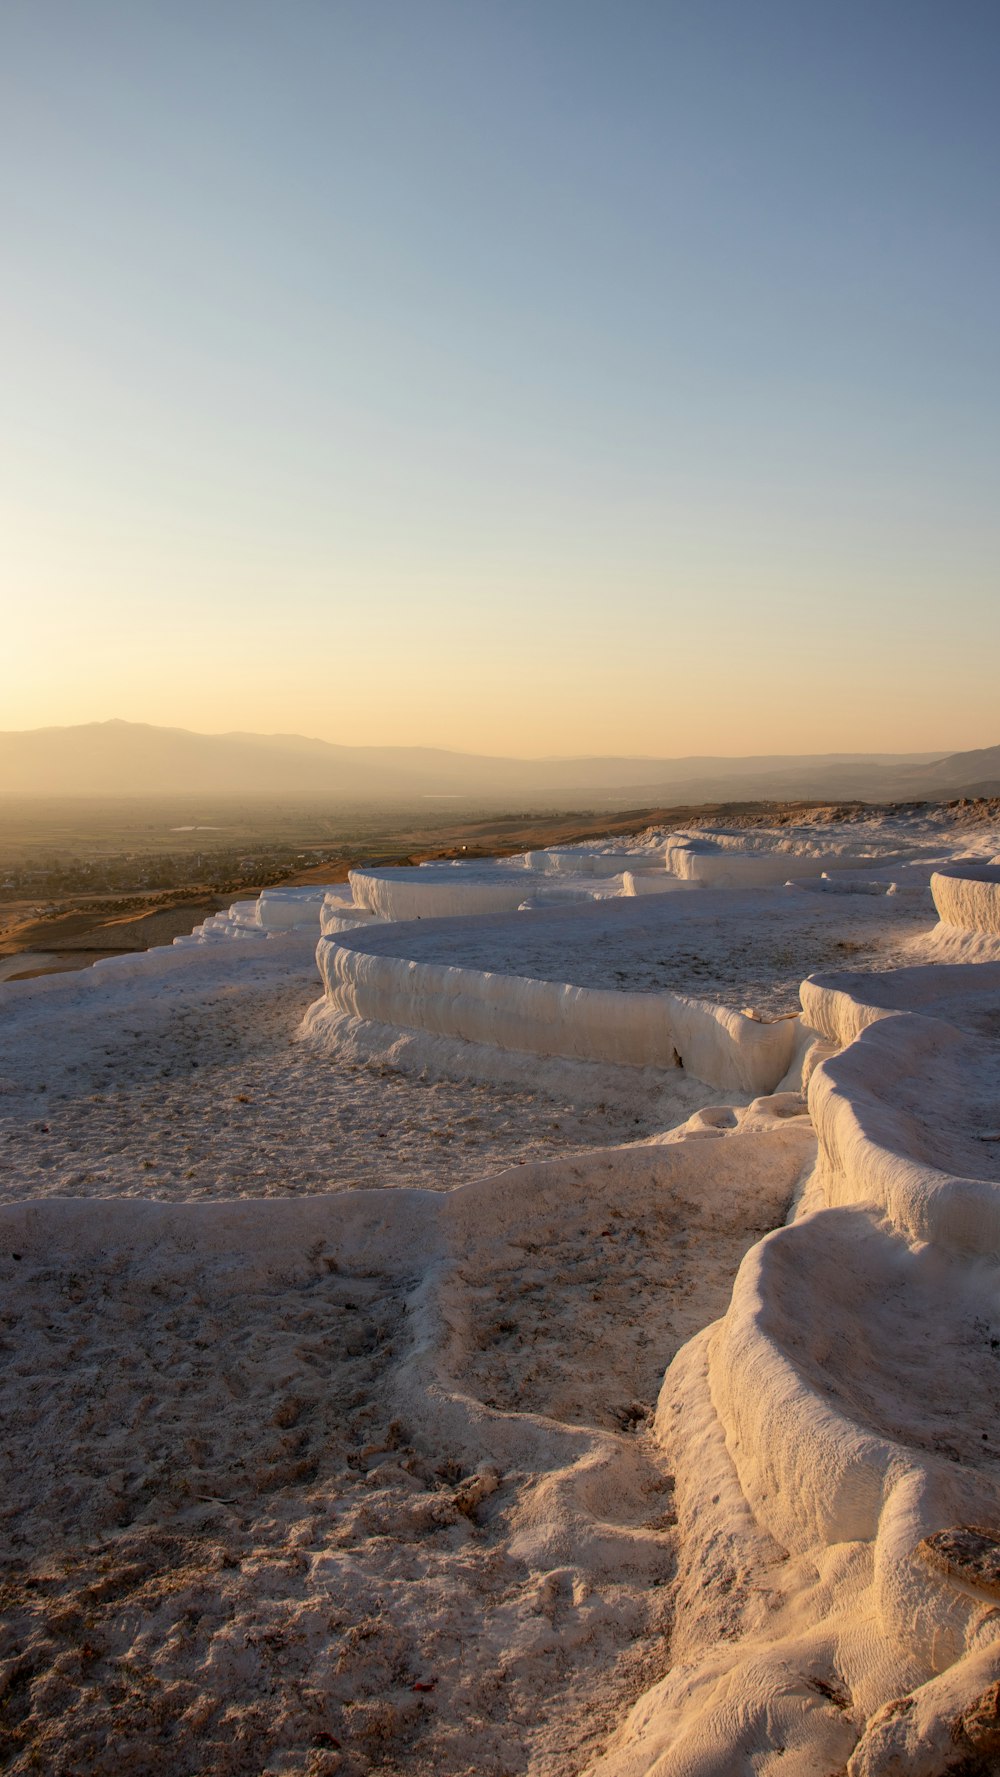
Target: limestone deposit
555, 1338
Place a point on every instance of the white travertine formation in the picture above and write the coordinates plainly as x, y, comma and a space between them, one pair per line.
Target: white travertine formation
596, 863
967, 895
288, 909
499, 885
276, 910
239, 923
719, 858
833, 1549
863, 861
439, 891
663, 1030
878, 878
839, 1006
835, 1434
443, 890
706, 978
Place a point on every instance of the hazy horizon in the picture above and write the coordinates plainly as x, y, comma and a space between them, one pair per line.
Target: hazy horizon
535, 381
829, 751
122, 758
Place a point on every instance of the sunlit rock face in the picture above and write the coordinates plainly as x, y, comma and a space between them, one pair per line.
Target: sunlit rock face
835, 1435
967, 898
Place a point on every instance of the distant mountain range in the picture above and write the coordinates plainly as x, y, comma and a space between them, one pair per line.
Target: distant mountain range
137, 759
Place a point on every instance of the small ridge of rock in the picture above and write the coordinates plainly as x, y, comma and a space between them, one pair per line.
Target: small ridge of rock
968, 1553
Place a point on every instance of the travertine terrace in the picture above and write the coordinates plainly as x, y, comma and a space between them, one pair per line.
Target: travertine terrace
667, 1444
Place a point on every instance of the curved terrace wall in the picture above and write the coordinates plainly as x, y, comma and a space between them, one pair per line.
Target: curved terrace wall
283, 910
839, 1005
846, 1406
719, 1046
968, 896
444, 891
427, 893
744, 860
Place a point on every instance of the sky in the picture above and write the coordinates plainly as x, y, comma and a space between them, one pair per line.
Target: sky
518, 376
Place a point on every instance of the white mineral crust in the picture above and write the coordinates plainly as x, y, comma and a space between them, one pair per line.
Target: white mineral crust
670, 1456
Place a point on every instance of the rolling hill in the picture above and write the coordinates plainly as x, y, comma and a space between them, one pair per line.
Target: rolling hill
139, 759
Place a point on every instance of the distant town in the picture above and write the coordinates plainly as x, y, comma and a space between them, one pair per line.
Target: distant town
49, 879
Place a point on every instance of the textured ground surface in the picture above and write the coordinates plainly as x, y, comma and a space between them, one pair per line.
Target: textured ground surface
202, 1089
251, 1526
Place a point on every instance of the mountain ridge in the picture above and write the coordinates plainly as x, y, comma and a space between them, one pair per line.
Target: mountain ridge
117, 757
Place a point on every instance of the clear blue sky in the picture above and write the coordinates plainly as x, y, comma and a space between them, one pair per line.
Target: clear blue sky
545, 377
